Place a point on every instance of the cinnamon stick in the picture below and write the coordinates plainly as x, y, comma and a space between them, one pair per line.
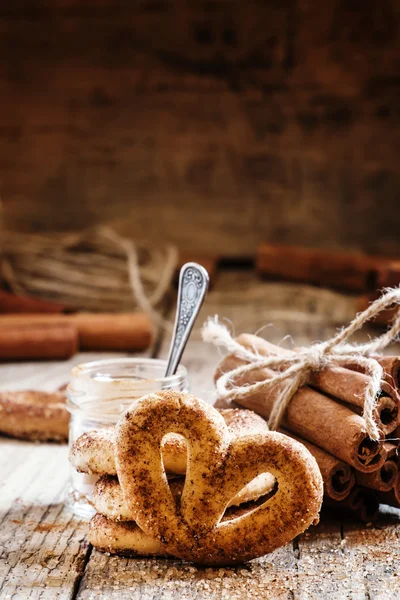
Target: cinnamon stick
384, 478
391, 367
392, 497
362, 502
96, 331
338, 476
10, 303
343, 270
124, 331
388, 271
383, 318
314, 417
38, 341
351, 271
344, 384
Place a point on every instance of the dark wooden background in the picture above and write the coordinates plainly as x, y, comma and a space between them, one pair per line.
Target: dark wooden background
213, 124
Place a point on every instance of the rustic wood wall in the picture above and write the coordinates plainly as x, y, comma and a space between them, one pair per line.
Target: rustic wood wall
214, 124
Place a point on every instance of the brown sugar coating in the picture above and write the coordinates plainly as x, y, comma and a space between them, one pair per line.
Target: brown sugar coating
219, 466
93, 452
34, 415
125, 538
243, 422
108, 498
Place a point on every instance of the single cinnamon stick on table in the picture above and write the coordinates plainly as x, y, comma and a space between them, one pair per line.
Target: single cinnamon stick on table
96, 331
10, 303
34, 342
344, 384
351, 271
314, 417
338, 476
124, 331
343, 270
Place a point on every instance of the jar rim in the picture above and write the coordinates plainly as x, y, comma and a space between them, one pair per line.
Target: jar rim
92, 388
83, 370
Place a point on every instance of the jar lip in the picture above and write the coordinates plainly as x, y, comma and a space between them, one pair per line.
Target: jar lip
85, 369
96, 391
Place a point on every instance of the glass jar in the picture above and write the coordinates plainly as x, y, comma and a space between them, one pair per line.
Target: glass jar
98, 393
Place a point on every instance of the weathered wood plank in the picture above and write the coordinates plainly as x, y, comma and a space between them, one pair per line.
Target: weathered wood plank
123, 579
42, 547
378, 551
326, 567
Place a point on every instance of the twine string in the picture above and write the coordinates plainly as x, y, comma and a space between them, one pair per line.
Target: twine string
95, 270
293, 368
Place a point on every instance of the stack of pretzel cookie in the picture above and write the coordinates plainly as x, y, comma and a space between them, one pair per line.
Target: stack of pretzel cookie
180, 478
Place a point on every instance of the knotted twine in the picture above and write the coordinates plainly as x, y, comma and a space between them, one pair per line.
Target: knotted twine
293, 369
95, 270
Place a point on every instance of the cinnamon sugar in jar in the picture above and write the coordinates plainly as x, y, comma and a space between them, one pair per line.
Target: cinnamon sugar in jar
98, 393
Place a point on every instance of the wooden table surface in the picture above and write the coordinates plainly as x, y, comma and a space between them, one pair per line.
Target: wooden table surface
43, 549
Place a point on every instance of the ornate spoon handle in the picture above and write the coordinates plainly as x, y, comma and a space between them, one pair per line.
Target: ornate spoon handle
193, 286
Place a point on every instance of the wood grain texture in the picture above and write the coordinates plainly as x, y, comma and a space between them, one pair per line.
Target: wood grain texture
42, 547
209, 124
123, 579
326, 569
377, 549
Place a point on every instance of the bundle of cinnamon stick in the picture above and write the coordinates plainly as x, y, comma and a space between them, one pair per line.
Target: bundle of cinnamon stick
326, 416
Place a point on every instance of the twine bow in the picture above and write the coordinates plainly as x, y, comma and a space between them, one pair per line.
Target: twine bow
293, 369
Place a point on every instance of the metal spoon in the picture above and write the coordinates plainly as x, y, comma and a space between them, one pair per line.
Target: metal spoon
193, 286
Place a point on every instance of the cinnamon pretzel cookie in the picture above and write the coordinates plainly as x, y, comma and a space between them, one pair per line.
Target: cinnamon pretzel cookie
33, 415
93, 452
219, 465
108, 534
123, 538
109, 501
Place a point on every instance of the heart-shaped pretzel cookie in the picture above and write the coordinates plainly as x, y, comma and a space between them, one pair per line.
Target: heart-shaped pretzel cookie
93, 452
218, 467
